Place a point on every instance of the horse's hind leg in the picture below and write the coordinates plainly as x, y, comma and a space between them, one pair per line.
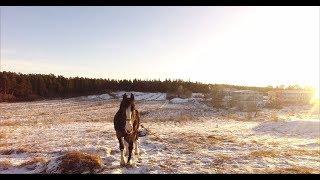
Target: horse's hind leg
120, 139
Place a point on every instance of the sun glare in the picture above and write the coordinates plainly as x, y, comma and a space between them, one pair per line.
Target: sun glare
316, 93
315, 100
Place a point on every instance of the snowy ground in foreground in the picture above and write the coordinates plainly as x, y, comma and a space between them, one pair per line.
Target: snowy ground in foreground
186, 136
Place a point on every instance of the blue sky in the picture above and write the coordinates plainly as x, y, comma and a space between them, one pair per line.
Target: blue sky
235, 45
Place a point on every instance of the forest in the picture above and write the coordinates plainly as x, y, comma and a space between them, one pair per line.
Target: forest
27, 87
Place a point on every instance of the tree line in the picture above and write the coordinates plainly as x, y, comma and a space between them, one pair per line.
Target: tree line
27, 87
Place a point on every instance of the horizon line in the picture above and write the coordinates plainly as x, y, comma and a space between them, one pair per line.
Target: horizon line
170, 79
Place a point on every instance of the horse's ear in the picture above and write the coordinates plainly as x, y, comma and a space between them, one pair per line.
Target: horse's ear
124, 96
132, 96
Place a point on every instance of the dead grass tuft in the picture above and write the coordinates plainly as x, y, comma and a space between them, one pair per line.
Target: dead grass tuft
33, 163
234, 116
155, 138
302, 152
284, 154
274, 117
221, 139
184, 118
178, 119
175, 119
221, 159
294, 170
263, 153
42, 113
2, 135
14, 151
4, 165
77, 162
9, 123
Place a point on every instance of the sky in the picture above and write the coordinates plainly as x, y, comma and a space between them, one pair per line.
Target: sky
256, 46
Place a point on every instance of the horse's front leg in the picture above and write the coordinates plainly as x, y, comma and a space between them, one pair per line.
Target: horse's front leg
136, 147
121, 147
129, 162
126, 147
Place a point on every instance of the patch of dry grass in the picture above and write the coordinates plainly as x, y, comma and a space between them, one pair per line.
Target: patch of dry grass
97, 119
221, 139
263, 143
33, 163
175, 119
42, 113
78, 162
293, 170
2, 135
221, 159
284, 154
155, 138
263, 153
188, 143
234, 116
274, 143
9, 123
274, 117
4, 165
107, 119
90, 130
14, 151
248, 116
183, 118
167, 165
302, 152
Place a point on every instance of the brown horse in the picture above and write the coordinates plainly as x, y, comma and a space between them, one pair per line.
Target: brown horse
126, 125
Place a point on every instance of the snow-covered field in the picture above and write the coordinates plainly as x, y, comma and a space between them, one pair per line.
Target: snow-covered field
185, 136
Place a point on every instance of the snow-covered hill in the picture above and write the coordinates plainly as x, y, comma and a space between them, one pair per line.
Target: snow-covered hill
183, 137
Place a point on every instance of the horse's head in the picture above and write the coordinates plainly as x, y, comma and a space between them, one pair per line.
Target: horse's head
128, 106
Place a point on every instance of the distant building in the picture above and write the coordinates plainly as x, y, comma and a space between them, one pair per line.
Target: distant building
245, 99
291, 96
227, 97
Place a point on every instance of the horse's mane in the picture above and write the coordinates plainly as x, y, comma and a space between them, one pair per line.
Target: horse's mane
122, 105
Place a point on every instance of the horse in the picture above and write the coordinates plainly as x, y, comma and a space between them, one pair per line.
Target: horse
126, 125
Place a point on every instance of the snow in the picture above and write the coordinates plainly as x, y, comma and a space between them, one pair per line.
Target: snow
181, 135
53, 165
178, 100
197, 95
196, 101
139, 96
143, 96
304, 129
